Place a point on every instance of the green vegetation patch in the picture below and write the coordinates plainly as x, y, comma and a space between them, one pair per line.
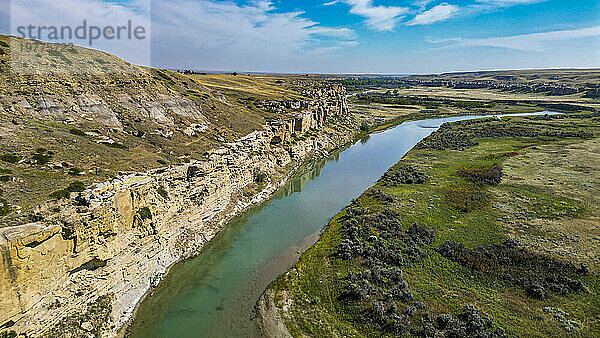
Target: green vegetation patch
544, 204
66, 193
10, 158
41, 159
466, 198
483, 174
76, 131
145, 213
92, 322
162, 192
5, 208
537, 274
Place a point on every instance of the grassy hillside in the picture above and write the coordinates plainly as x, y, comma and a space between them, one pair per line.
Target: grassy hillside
82, 115
487, 228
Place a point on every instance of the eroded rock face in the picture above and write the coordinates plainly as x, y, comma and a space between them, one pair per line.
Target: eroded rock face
96, 107
121, 236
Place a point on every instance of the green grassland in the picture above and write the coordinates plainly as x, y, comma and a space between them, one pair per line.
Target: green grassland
313, 295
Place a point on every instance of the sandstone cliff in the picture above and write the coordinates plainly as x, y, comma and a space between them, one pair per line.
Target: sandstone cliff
119, 237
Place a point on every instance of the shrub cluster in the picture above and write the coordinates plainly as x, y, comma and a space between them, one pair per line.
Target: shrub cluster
378, 291
5, 208
77, 132
10, 158
465, 134
381, 196
470, 323
41, 156
482, 174
403, 174
382, 246
535, 273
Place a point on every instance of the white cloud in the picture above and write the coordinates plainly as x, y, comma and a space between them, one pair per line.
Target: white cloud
526, 42
436, 14
331, 3
381, 18
224, 35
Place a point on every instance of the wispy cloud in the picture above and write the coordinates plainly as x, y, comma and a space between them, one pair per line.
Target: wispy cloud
445, 11
422, 3
487, 6
381, 18
509, 2
225, 35
534, 42
436, 14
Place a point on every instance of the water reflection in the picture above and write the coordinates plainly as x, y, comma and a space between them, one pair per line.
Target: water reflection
299, 181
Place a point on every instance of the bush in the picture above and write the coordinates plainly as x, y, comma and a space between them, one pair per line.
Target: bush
60, 194
145, 213
76, 186
10, 158
260, 178
364, 126
482, 174
77, 132
403, 174
66, 193
101, 61
381, 196
74, 171
41, 158
8, 334
162, 192
4, 178
470, 323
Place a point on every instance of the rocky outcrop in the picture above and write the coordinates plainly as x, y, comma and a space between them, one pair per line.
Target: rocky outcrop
121, 236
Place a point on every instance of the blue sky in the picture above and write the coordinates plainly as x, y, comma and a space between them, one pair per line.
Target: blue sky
366, 36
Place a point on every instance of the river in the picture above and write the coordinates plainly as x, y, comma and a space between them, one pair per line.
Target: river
213, 294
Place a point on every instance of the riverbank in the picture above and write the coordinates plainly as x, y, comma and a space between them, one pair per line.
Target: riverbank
343, 284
